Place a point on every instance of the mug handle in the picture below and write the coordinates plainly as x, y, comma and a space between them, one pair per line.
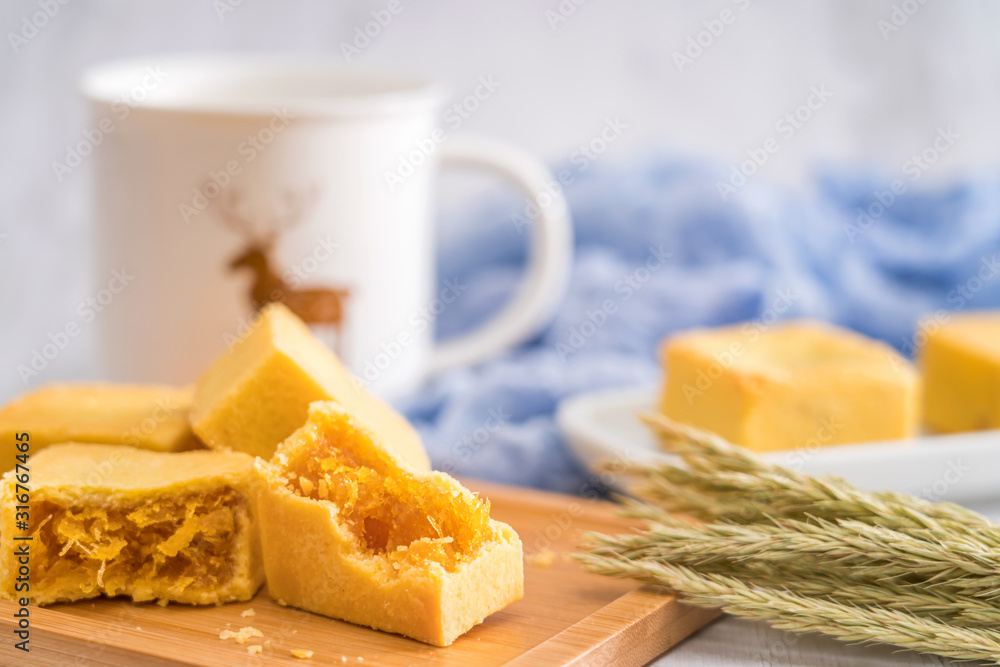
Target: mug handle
550, 254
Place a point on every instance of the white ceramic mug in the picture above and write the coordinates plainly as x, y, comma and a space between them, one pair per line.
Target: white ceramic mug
223, 182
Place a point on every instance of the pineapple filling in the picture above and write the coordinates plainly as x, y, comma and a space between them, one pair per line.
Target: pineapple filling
145, 549
406, 521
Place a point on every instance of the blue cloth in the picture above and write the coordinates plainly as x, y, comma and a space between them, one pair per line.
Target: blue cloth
839, 250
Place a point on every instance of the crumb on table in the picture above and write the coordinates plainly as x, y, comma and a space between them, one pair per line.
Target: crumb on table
302, 654
242, 635
255, 649
544, 559
248, 612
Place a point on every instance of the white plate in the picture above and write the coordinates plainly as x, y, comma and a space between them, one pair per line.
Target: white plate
601, 426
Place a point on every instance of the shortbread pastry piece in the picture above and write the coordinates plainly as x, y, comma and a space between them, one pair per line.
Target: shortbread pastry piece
794, 385
115, 520
349, 530
147, 416
960, 363
256, 394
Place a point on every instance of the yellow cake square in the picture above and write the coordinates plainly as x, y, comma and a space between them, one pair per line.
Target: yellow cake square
960, 364
146, 416
800, 384
255, 395
115, 520
351, 531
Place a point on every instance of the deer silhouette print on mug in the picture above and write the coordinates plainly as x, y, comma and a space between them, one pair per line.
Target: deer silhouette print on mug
316, 306
227, 186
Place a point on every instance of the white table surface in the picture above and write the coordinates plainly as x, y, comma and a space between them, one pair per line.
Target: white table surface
731, 642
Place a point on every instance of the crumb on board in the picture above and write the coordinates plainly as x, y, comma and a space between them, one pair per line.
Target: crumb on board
242, 635
281, 602
544, 559
255, 649
248, 612
138, 628
163, 602
302, 653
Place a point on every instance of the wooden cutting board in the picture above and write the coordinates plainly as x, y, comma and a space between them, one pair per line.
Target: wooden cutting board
567, 616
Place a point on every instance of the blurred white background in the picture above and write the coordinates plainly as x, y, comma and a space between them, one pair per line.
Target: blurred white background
710, 79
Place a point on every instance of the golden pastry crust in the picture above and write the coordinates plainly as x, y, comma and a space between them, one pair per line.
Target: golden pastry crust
258, 393
115, 520
352, 532
960, 363
146, 416
793, 385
